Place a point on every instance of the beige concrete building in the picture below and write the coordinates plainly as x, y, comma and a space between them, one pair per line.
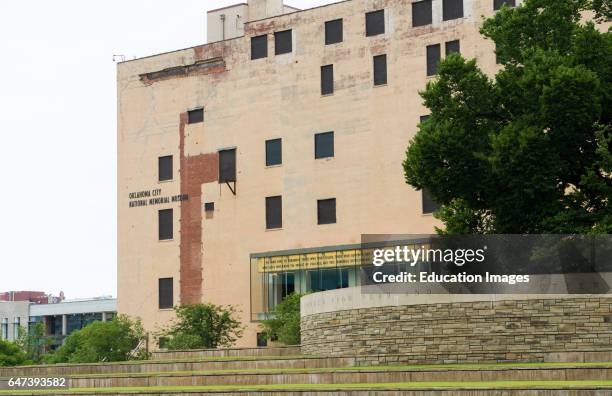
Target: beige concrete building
250, 167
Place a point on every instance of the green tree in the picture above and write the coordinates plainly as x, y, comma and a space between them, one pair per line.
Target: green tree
284, 323
527, 152
202, 326
120, 339
11, 354
34, 342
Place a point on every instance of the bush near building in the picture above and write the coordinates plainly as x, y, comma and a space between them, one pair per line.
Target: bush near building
284, 324
202, 326
117, 340
11, 354
34, 342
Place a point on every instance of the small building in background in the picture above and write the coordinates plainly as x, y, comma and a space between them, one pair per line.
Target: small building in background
19, 311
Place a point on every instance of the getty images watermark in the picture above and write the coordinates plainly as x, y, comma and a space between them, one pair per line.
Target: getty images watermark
484, 264
458, 257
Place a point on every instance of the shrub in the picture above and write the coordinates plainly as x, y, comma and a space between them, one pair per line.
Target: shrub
34, 342
202, 326
284, 324
112, 341
11, 354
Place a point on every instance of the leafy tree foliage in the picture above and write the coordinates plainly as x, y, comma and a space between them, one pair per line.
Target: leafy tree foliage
35, 342
202, 326
111, 341
527, 152
285, 322
11, 354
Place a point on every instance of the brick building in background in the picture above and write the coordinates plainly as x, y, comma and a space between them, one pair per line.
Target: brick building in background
249, 167
36, 297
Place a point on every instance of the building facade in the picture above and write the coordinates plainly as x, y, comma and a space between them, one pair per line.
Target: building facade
60, 318
249, 168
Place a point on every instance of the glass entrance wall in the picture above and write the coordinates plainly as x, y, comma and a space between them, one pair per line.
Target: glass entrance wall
274, 277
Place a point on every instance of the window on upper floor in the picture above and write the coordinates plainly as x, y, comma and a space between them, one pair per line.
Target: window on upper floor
326, 211
333, 32
375, 23
324, 145
164, 165
327, 80
452, 9
259, 47
497, 4
421, 13
227, 165
209, 207
429, 205
451, 47
165, 224
433, 59
380, 69
196, 115
283, 42
274, 212
274, 152
166, 293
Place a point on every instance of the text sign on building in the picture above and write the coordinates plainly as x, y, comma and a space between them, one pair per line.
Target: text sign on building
153, 197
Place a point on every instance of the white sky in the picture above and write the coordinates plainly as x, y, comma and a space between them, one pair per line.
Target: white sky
58, 130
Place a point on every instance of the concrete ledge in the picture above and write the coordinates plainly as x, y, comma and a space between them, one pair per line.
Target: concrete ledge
337, 377
228, 352
362, 297
152, 366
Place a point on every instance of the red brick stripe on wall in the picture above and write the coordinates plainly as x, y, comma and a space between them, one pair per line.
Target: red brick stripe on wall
195, 170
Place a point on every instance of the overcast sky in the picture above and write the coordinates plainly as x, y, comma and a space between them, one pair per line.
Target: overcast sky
58, 125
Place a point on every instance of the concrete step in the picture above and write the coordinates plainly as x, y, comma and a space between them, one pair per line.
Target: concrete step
228, 352
340, 376
543, 388
179, 365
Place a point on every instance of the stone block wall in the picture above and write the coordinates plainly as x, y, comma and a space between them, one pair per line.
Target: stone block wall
529, 330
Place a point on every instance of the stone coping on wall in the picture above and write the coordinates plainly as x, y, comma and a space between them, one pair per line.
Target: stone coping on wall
359, 298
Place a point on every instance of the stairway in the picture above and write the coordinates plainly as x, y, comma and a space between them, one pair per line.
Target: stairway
282, 371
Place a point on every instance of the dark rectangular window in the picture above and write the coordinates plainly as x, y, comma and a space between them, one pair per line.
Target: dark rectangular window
227, 165
165, 223
498, 59
326, 211
375, 23
380, 70
166, 293
324, 145
452, 9
274, 212
497, 4
424, 118
327, 80
452, 47
164, 165
194, 116
274, 152
259, 47
433, 59
421, 13
429, 205
333, 31
282, 42
209, 207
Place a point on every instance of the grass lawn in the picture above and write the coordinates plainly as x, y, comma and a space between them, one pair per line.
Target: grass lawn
365, 386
